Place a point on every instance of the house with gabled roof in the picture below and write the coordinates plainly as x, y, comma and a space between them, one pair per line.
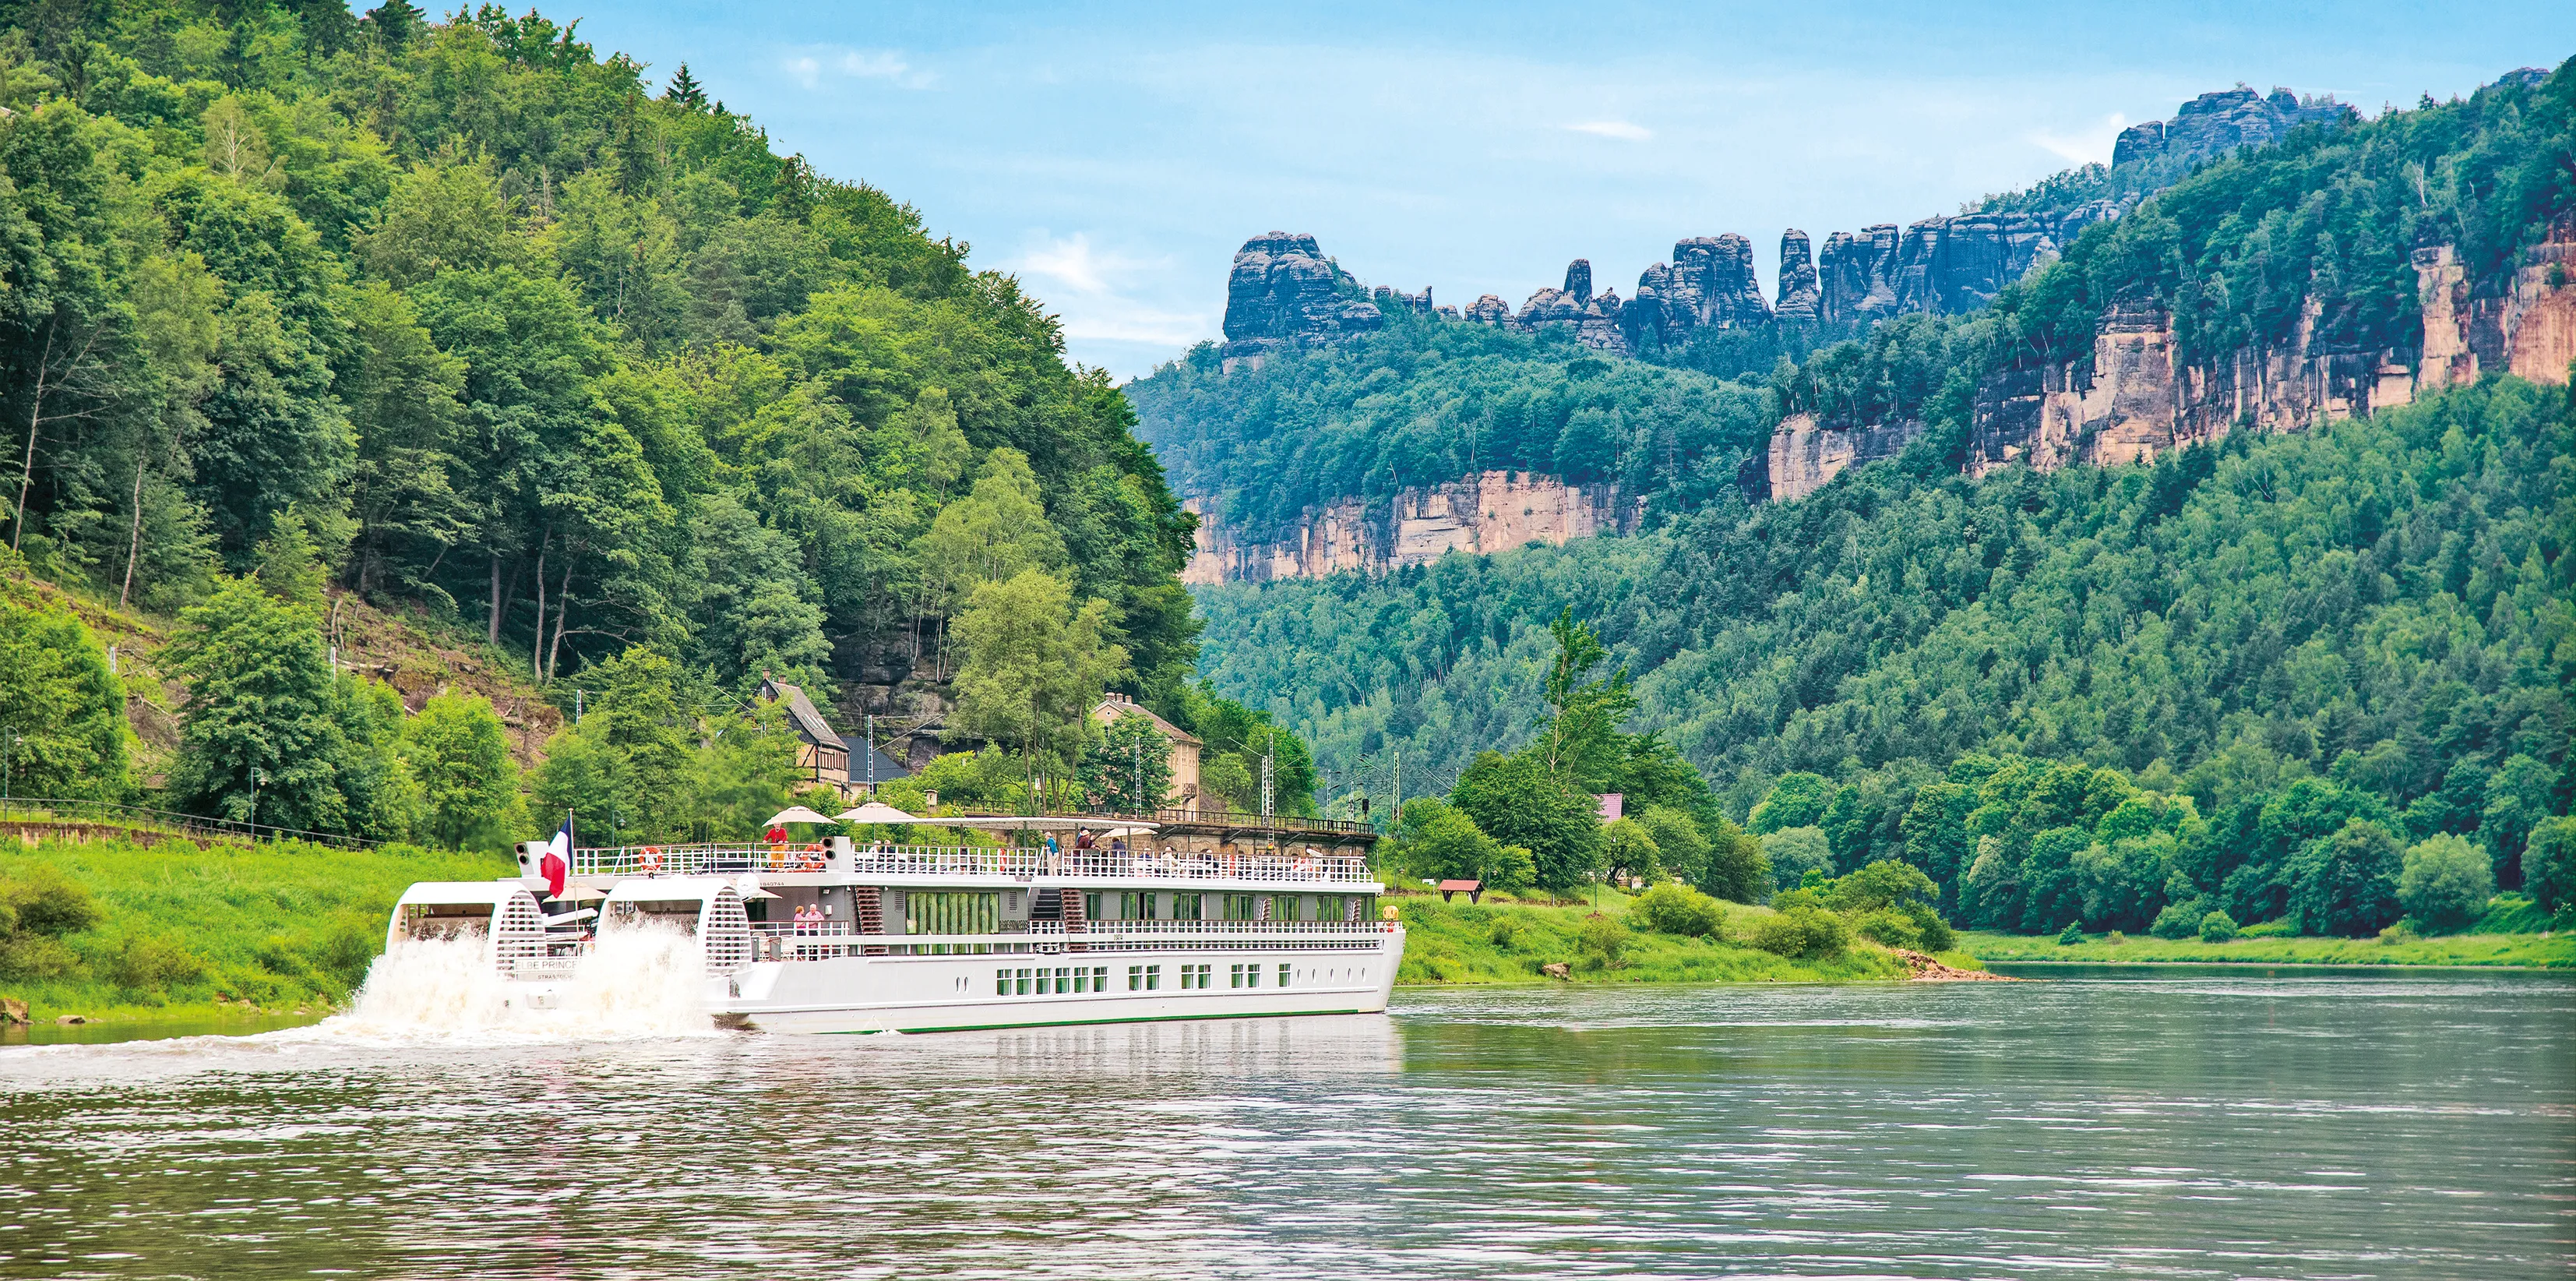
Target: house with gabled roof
1185, 745
821, 752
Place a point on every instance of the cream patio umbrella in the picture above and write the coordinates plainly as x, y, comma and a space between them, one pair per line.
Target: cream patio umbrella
874, 812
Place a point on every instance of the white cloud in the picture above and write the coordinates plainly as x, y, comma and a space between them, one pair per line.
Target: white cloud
1091, 292
2085, 147
1620, 129
809, 68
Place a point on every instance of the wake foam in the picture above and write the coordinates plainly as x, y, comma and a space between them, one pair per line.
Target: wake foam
637, 982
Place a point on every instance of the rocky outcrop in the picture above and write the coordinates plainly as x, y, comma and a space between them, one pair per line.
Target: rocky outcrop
1594, 318
1800, 299
1419, 304
2137, 399
1948, 265
1284, 291
1805, 454
1856, 275
1483, 513
1709, 284
2216, 123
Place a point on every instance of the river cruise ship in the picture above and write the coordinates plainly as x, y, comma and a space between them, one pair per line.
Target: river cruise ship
1185, 916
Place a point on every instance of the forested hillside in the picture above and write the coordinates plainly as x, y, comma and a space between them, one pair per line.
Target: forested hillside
2377, 611
548, 352
503, 328
1424, 401
2302, 245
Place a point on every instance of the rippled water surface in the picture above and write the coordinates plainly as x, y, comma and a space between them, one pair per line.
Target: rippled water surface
2100, 1123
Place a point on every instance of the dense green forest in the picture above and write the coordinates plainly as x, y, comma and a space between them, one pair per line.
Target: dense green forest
2234, 250
2374, 615
1425, 401
466, 319
2098, 698
499, 327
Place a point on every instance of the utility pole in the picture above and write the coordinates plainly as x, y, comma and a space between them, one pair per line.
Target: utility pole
1266, 806
872, 754
254, 798
1395, 813
1136, 764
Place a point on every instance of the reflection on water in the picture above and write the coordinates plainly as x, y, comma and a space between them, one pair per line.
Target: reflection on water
2180, 1124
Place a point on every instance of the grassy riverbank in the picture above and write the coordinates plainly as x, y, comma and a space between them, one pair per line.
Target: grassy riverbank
2530, 950
1506, 942
183, 932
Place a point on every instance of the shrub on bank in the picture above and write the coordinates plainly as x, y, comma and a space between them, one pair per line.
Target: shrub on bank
1604, 941
2445, 882
2217, 927
1801, 931
1674, 908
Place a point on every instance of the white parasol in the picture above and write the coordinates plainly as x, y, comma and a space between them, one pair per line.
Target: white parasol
749, 888
874, 812
797, 814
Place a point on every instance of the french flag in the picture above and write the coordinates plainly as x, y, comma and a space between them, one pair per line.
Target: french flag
556, 863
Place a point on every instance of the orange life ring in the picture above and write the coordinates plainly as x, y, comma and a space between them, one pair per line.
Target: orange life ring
651, 860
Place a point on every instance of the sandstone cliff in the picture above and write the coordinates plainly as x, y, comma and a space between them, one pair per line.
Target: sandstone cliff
1484, 513
1283, 290
2215, 123
2137, 398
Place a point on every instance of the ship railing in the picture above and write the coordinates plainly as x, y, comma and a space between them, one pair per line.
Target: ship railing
778, 941
972, 861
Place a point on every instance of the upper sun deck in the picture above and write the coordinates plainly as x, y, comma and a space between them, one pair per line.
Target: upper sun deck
838, 861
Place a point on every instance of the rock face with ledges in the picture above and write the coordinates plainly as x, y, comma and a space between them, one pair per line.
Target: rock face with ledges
1283, 290
1709, 284
1800, 297
2216, 123
1857, 275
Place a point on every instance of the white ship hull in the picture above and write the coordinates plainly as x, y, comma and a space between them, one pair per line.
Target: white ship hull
957, 993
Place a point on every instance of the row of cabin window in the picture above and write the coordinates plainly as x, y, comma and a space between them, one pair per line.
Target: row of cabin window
1064, 980
1185, 905
979, 911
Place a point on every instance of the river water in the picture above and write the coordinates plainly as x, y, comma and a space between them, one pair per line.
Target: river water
2131, 1122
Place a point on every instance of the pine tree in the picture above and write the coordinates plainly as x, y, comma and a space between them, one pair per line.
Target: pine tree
395, 21
685, 90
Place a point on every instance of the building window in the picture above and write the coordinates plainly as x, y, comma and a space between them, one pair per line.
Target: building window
1283, 907
1091, 905
1136, 906
1328, 907
1240, 907
1234, 975
1185, 907
1015, 982
1202, 975
1147, 978
1283, 974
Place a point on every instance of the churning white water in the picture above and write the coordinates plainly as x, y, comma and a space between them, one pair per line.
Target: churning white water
638, 982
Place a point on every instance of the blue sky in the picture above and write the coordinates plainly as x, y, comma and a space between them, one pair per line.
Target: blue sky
1115, 155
